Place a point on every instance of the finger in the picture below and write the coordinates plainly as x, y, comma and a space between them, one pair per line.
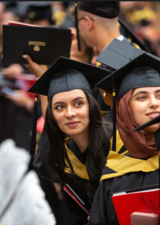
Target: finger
28, 58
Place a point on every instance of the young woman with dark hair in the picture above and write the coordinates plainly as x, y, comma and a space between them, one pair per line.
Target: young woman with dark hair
79, 139
95, 139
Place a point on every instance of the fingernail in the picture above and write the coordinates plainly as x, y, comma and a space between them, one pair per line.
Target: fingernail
24, 56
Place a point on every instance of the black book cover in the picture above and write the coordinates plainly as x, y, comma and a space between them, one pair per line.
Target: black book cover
43, 44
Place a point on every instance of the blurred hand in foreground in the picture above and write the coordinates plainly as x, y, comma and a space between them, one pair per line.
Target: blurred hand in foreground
20, 98
13, 71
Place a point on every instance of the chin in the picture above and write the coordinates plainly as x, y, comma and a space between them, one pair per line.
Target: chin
152, 129
73, 132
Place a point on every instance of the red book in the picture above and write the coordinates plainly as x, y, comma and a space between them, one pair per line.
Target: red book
125, 204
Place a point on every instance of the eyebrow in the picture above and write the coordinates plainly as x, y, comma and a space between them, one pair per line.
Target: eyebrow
77, 99
72, 101
145, 92
141, 92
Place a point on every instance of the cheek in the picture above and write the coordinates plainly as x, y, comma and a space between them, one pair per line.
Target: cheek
138, 110
59, 117
83, 113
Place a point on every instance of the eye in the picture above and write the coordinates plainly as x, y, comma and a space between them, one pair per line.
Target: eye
141, 98
79, 103
59, 107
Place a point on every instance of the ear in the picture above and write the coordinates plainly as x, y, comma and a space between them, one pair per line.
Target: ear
89, 23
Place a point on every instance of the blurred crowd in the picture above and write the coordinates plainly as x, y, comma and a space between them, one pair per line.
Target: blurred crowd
16, 108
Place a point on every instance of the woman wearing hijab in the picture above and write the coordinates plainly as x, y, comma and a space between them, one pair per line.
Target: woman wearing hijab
137, 85
77, 160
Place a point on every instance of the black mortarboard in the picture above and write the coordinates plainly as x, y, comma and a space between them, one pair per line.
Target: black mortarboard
65, 75
117, 54
126, 32
134, 68
38, 11
143, 71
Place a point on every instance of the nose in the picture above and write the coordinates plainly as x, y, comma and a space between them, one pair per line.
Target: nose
70, 112
153, 102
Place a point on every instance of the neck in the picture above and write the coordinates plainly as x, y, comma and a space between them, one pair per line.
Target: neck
81, 140
106, 37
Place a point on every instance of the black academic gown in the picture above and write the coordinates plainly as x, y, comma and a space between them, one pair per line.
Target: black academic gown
135, 174
78, 184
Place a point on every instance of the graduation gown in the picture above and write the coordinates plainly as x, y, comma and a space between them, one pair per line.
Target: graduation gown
122, 172
79, 183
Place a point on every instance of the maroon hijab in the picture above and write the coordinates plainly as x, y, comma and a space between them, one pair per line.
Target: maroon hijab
139, 144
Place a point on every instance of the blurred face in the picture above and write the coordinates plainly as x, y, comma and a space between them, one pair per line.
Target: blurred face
145, 105
71, 111
42, 22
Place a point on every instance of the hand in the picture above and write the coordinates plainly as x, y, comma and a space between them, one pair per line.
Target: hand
13, 71
36, 69
20, 98
88, 218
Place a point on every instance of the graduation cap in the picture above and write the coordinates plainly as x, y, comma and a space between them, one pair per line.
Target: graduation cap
38, 11
103, 9
65, 75
135, 68
125, 30
117, 54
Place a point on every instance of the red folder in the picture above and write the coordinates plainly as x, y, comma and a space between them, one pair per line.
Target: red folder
125, 204
21, 24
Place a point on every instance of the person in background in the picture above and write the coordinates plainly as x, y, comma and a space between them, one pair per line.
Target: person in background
98, 25
39, 13
142, 18
59, 11
22, 199
20, 103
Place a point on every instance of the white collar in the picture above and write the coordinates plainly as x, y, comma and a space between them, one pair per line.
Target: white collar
120, 38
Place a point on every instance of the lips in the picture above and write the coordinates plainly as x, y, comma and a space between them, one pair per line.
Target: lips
153, 114
72, 124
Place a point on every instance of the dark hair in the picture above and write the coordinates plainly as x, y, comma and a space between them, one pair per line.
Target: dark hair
98, 148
